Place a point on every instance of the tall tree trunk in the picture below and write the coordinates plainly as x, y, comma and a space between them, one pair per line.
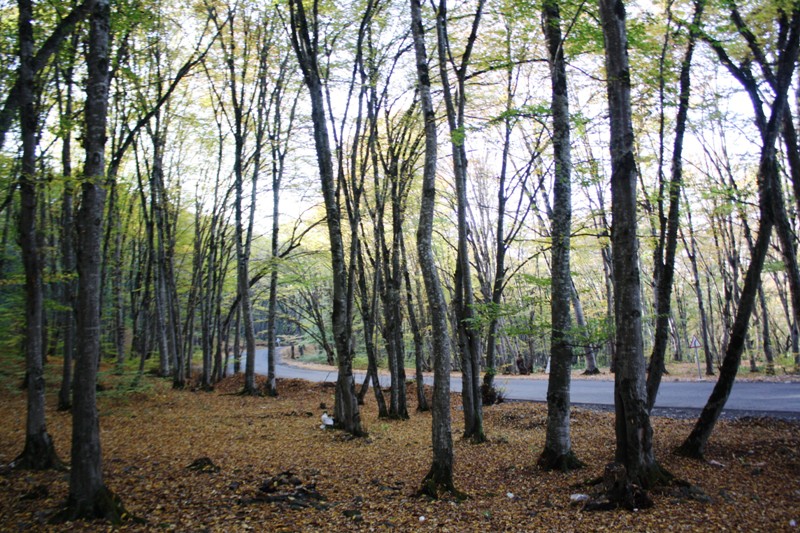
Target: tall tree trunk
157, 236
668, 239
557, 453
440, 476
39, 452
88, 495
770, 204
422, 401
279, 138
463, 299
116, 291
634, 434
692, 251
67, 241
368, 313
488, 391
347, 413
242, 275
389, 285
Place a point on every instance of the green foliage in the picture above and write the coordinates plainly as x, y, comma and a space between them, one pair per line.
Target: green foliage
535, 281
12, 316
458, 136
538, 111
596, 333
776, 265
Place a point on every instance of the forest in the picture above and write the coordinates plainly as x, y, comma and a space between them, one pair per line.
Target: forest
408, 189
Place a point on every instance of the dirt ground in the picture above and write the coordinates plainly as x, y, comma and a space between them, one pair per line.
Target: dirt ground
197, 461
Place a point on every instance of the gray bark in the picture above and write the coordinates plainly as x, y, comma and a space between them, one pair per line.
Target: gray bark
39, 452
557, 453
463, 300
88, 495
347, 413
666, 247
440, 476
634, 434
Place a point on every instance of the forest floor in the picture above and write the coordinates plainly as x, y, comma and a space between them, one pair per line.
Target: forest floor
219, 461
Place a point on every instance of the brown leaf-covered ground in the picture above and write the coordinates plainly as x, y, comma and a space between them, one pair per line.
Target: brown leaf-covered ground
273, 469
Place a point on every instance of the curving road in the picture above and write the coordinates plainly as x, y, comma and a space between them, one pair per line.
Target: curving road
680, 398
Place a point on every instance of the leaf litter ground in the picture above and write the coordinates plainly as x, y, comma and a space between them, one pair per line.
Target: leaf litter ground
197, 461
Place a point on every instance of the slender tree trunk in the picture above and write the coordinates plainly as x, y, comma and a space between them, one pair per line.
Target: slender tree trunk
88, 495
770, 205
237, 339
694, 445
39, 452
384, 286
488, 389
347, 413
668, 241
766, 341
463, 300
395, 291
242, 266
159, 256
440, 476
634, 434
692, 251
422, 401
557, 453
580, 319
67, 243
368, 314
116, 290
278, 149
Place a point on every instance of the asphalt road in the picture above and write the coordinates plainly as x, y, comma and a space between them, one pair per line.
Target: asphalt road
679, 398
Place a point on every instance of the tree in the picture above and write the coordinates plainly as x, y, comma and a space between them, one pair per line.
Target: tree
280, 130
634, 434
771, 208
557, 453
463, 300
440, 476
39, 60
305, 41
667, 244
247, 40
88, 495
39, 452
65, 104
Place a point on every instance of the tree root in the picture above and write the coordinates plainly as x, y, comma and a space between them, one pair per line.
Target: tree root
549, 460
105, 506
619, 492
438, 483
690, 449
39, 454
